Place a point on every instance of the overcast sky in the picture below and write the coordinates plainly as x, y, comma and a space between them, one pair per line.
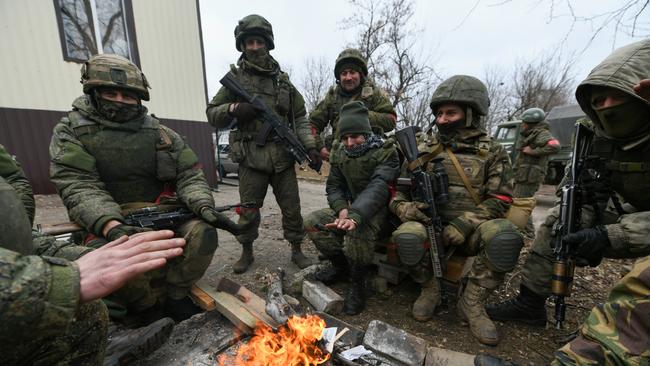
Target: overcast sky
460, 37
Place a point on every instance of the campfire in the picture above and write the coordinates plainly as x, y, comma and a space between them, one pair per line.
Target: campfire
296, 343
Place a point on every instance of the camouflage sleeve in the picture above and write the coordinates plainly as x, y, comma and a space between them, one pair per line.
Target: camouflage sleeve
336, 187
616, 332
319, 119
301, 125
217, 110
12, 172
73, 172
631, 232
381, 113
40, 294
191, 186
377, 193
497, 195
47, 245
544, 145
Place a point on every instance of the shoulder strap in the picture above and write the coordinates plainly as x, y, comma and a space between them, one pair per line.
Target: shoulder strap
462, 175
164, 141
422, 161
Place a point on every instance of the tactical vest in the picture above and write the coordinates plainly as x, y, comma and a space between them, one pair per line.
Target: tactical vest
473, 160
529, 168
129, 163
15, 230
628, 172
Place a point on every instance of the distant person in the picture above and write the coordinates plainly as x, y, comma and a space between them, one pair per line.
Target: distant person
352, 83
615, 221
110, 157
363, 170
270, 163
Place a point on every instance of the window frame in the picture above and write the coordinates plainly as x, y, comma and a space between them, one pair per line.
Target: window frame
130, 32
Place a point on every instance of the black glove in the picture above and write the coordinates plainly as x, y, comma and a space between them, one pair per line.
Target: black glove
220, 221
123, 229
590, 245
316, 159
244, 112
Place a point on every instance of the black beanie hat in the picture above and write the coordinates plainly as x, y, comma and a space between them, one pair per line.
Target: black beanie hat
353, 120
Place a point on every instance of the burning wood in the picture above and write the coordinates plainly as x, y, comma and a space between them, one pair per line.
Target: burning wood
296, 343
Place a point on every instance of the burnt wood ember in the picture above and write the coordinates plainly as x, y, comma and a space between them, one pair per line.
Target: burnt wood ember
276, 305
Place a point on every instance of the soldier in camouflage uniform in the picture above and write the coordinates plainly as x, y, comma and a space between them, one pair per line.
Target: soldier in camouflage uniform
108, 156
352, 83
472, 226
270, 163
48, 309
363, 168
620, 228
535, 146
11, 171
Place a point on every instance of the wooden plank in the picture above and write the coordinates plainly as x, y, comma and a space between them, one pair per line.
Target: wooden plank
255, 304
233, 310
202, 299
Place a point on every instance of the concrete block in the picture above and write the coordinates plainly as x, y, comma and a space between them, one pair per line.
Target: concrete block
293, 284
321, 297
395, 343
444, 357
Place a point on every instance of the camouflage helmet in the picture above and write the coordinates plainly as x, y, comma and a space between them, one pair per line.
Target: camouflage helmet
109, 70
254, 25
462, 89
533, 115
347, 56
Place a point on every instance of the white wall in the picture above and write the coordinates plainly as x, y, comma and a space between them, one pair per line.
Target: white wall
33, 74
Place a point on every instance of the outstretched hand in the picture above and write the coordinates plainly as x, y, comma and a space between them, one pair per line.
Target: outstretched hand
108, 268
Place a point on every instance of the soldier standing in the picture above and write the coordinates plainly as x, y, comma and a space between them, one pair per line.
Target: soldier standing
270, 163
615, 217
352, 83
480, 194
363, 168
109, 156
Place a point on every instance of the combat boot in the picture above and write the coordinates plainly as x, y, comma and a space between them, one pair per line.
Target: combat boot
471, 309
337, 271
298, 257
430, 297
355, 300
181, 309
133, 344
246, 259
527, 307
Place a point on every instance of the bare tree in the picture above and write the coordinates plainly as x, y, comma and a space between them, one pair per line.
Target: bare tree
494, 78
387, 37
316, 80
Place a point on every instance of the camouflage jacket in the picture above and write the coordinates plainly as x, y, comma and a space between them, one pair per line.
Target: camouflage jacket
380, 111
616, 332
487, 167
362, 184
97, 165
11, 171
276, 90
531, 168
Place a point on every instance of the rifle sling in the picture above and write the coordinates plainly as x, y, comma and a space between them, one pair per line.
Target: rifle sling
422, 161
463, 177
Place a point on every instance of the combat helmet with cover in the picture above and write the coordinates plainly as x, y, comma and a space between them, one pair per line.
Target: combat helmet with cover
350, 56
109, 70
466, 90
533, 115
254, 25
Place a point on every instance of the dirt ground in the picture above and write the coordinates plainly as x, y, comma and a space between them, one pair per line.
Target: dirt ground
522, 344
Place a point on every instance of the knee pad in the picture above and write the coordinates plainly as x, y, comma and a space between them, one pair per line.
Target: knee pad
410, 239
503, 242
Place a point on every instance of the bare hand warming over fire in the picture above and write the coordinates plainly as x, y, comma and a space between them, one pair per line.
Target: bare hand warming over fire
106, 269
343, 222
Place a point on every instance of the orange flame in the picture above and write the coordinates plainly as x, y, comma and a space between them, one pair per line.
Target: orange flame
294, 344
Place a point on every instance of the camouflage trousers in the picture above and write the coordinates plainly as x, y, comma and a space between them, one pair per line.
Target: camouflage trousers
176, 278
538, 268
81, 343
357, 245
495, 244
618, 331
252, 191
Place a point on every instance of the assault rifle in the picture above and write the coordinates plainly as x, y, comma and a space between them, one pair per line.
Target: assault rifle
426, 193
271, 122
568, 223
148, 217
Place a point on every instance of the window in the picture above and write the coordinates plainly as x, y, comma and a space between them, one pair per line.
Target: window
507, 133
89, 27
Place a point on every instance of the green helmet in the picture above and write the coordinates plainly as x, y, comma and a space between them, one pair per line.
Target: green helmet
462, 89
533, 115
350, 55
254, 25
115, 71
